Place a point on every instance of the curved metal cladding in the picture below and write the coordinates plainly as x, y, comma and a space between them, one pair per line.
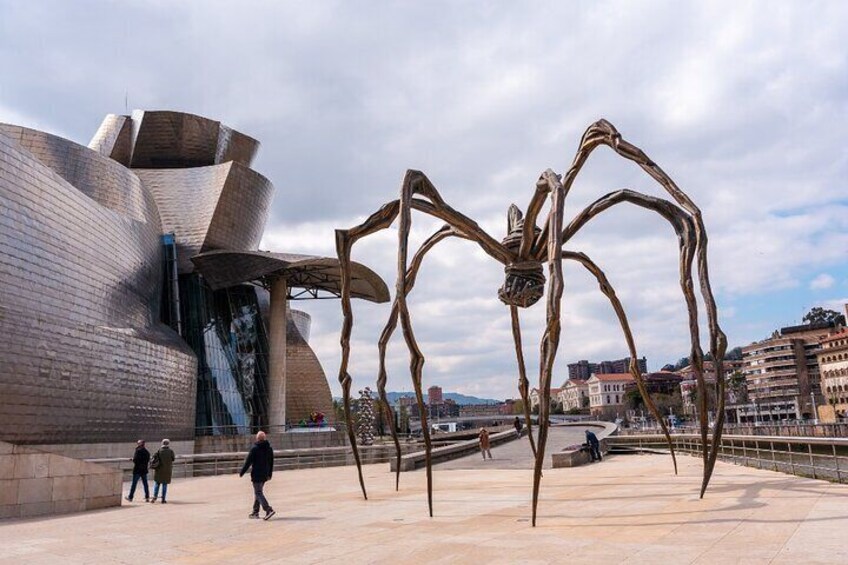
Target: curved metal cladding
307, 389
198, 171
216, 207
83, 357
164, 139
303, 323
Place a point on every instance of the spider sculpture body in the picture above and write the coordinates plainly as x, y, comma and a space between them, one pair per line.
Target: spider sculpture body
523, 253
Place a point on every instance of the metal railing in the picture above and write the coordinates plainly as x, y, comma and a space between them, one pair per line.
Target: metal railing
208, 464
794, 429
818, 458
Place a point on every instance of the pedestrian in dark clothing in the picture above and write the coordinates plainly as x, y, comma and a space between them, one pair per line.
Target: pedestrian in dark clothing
260, 461
594, 445
140, 459
517, 425
163, 467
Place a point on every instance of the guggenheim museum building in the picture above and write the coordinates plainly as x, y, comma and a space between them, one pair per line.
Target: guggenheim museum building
134, 301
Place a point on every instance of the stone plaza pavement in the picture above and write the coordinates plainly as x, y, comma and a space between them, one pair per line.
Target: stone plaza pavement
628, 509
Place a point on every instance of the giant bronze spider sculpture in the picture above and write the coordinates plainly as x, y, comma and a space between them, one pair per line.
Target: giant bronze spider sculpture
523, 252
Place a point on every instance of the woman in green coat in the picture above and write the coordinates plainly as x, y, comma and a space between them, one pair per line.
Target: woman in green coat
162, 464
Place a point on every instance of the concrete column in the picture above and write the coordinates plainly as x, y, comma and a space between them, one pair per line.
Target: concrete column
277, 355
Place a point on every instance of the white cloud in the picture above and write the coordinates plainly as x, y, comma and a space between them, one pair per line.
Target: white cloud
743, 105
823, 281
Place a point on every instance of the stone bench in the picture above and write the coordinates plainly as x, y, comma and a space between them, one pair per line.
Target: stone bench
575, 457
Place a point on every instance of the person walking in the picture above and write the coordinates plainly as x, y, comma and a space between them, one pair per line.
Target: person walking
594, 445
163, 467
517, 425
140, 460
485, 446
260, 461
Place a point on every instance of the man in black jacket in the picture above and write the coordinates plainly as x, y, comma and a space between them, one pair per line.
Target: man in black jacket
261, 458
140, 460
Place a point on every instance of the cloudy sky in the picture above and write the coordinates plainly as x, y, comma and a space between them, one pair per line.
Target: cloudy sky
744, 104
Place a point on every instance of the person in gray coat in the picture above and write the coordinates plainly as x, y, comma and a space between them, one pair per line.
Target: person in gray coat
162, 464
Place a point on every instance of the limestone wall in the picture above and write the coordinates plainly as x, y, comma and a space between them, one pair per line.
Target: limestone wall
36, 483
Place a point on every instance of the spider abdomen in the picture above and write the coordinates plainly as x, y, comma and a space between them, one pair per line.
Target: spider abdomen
524, 284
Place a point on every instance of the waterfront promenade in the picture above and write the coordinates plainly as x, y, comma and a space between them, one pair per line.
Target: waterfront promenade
628, 509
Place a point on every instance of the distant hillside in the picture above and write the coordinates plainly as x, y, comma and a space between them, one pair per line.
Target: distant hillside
455, 396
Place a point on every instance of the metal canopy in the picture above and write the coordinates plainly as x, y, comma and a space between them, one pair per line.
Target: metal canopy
315, 277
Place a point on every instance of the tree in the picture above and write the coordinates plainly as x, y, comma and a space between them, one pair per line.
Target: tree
734, 354
381, 413
404, 420
633, 400
681, 363
738, 387
518, 407
820, 315
666, 403
338, 410
556, 407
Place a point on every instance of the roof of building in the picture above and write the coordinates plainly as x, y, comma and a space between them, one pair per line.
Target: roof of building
612, 376
553, 390
807, 327
224, 268
842, 334
575, 382
662, 375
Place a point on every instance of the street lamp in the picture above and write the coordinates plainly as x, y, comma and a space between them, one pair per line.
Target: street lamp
815, 409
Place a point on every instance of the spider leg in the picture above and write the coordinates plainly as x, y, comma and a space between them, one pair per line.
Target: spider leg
685, 229
345, 239
416, 358
414, 183
550, 341
523, 383
533, 209
388, 330
603, 132
609, 292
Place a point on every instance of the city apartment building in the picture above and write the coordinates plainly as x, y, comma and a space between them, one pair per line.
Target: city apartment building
534, 396
574, 394
582, 370
606, 392
833, 368
689, 385
434, 394
782, 373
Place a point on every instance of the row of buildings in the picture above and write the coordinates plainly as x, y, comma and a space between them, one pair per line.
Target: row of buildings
603, 394
798, 373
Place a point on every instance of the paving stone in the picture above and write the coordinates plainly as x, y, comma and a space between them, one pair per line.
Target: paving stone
627, 509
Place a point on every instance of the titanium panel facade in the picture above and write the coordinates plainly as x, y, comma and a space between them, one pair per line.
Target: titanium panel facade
216, 207
306, 384
96, 249
83, 356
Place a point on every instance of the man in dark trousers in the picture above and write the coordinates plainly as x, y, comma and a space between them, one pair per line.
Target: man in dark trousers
517, 425
594, 445
140, 459
261, 458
